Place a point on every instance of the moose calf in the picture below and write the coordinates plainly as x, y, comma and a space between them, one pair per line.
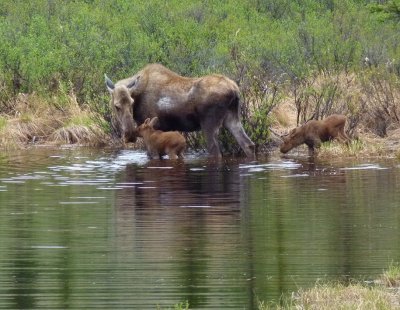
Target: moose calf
314, 132
160, 143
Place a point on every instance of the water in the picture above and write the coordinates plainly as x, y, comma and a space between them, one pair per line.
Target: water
91, 229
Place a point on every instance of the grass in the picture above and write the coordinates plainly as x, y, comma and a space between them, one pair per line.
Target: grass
355, 148
59, 119
50, 121
81, 128
391, 276
383, 295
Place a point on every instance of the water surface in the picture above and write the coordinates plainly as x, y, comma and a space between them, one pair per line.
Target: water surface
91, 229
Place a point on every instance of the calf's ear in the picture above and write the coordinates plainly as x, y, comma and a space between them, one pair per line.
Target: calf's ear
153, 121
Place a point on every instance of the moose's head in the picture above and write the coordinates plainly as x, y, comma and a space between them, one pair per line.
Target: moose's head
122, 106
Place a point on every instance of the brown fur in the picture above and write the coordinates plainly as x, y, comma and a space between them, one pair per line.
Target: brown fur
314, 132
159, 143
180, 103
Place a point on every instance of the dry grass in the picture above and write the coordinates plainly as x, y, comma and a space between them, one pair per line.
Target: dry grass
78, 134
371, 102
35, 120
390, 277
383, 295
284, 115
364, 147
339, 296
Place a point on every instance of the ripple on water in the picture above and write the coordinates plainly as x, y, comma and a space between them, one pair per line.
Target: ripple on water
365, 167
195, 231
297, 175
283, 165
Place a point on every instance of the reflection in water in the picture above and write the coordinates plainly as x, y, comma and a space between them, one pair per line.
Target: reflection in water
189, 228
23, 265
81, 229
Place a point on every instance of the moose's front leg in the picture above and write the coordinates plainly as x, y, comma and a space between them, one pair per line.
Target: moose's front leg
210, 132
311, 150
312, 144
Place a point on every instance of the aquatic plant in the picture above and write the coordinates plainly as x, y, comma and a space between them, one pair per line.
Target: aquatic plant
179, 306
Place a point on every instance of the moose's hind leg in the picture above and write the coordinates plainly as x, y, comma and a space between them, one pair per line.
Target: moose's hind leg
343, 137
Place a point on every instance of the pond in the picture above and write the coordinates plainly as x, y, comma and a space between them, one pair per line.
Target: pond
96, 229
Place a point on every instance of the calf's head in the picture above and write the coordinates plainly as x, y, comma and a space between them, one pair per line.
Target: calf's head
122, 106
146, 127
293, 139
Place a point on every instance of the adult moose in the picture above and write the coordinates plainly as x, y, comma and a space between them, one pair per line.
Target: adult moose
180, 103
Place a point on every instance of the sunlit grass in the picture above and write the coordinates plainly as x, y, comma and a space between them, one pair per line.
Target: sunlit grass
355, 148
383, 295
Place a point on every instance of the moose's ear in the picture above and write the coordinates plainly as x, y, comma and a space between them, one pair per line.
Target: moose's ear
147, 120
153, 121
132, 86
109, 84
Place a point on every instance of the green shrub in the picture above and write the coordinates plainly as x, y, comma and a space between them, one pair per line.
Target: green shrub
69, 45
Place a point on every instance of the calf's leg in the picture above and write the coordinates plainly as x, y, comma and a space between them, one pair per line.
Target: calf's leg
172, 155
313, 144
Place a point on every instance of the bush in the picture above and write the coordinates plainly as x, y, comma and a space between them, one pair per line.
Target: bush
69, 45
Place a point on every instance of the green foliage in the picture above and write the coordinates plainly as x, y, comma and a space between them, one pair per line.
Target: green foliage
388, 10
48, 45
76, 42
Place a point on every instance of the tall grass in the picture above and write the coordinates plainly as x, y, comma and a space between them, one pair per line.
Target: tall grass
34, 120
